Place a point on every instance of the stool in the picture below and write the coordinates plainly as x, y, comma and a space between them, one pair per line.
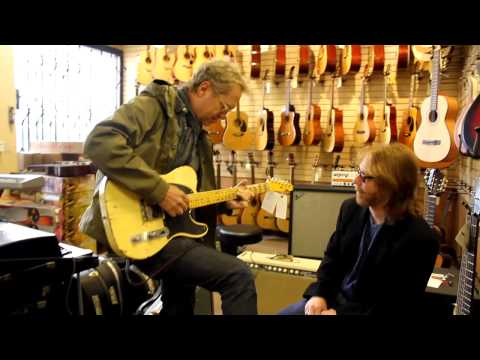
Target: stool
233, 236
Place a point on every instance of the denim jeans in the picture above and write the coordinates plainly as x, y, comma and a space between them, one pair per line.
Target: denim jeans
194, 264
294, 309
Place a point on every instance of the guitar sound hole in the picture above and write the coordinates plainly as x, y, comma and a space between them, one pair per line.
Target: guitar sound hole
166, 58
432, 116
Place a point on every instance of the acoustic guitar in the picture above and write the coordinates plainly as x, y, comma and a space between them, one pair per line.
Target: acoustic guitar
266, 220
326, 59
280, 61
364, 130
305, 57
388, 130
234, 218
145, 67
433, 144
468, 84
468, 272
411, 119
215, 132
249, 213
312, 133
376, 58
202, 55
334, 134
289, 130
403, 60
164, 62
183, 68
471, 121
137, 230
265, 132
351, 59
256, 60
284, 224
236, 136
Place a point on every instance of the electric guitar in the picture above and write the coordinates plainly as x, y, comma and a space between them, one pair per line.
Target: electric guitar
411, 118
145, 67
351, 59
137, 230
312, 133
468, 273
249, 213
255, 62
234, 218
326, 59
284, 224
364, 130
183, 68
433, 144
266, 220
388, 131
289, 130
164, 62
333, 136
265, 132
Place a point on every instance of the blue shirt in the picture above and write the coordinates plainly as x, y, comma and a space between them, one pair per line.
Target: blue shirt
369, 234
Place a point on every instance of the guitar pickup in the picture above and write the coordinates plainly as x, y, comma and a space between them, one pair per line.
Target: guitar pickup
150, 235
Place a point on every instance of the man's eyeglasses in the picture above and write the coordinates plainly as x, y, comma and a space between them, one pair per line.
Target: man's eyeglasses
225, 107
363, 176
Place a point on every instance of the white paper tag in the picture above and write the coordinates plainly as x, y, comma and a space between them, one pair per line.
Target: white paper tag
282, 207
338, 82
318, 174
270, 202
268, 87
294, 83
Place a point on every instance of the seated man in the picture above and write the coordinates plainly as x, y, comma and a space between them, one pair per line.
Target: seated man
381, 255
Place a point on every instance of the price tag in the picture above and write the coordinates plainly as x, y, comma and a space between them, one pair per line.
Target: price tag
294, 83
318, 174
270, 202
282, 206
268, 87
338, 82
343, 177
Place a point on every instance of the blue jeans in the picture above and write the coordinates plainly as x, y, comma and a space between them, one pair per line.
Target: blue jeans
200, 265
294, 309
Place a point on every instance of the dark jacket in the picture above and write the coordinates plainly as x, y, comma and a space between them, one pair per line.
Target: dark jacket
136, 145
396, 271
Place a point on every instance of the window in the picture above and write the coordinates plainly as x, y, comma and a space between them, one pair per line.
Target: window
64, 90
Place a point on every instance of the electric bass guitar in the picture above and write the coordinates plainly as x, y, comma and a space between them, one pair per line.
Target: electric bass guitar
137, 230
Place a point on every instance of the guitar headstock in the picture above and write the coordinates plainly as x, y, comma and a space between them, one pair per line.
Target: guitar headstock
291, 160
251, 159
218, 156
278, 185
265, 76
435, 181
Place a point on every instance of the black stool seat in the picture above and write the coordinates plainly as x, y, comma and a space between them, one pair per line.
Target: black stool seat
232, 236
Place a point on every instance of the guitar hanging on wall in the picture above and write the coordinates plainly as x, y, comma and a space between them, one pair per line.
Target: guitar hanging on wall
364, 129
326, 60
284, 224
265, 131
334, 134
266, 220
234, 218
388, 130
249, 213
351, 59
145, 67
289, 130
411, 118
236, 136
256, 60
183, 68
312, 133
164, 61
433, 144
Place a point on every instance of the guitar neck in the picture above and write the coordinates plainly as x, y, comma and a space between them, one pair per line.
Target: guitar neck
430, 207
412, 89
211, 197
435, 80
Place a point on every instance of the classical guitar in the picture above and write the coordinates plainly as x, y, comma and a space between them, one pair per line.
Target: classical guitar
468, 272
388, 131
284, 224
334, 134
326, 59
145, 67
280, 61
137, 230
411, 118
289, 130
256, 60
266, 220
234, 218
433, 144
364, 130
202, 55
351, 59
236, 136
249, 213
312, 133
265, 132
471, 91
164, 62
183, 68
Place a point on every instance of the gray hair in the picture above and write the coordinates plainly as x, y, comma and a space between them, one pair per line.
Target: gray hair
221, 74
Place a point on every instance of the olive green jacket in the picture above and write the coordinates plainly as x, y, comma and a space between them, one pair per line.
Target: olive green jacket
137, 144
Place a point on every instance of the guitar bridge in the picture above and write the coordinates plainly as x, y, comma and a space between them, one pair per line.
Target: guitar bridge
431, 142
150, 235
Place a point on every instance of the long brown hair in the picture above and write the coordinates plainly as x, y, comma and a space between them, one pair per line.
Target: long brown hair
395, 169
